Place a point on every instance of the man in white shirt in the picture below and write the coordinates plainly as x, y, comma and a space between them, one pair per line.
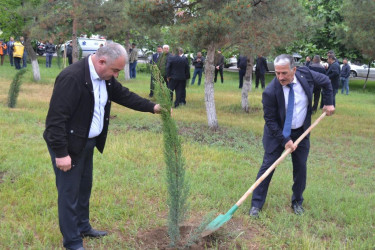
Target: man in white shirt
287, 114
76, 123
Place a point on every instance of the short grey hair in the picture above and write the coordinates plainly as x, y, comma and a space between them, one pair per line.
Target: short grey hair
111, 52
284, 59
165, 46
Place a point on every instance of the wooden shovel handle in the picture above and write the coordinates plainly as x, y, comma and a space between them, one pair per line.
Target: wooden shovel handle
277, 162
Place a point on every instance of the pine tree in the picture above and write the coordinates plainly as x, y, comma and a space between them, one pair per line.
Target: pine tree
178, 188
15, 88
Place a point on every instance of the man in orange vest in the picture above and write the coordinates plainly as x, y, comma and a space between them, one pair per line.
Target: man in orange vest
3, 47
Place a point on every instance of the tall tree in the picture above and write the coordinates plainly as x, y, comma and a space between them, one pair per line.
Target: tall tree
271, 25
358, 28
207, 24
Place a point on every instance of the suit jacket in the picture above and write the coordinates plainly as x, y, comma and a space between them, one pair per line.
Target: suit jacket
71, 109
219, 60
242, 62
155, 58
333, 73
274, 106
261, 65
178, 68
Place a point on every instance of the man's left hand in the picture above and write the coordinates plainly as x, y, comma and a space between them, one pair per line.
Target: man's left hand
329, 109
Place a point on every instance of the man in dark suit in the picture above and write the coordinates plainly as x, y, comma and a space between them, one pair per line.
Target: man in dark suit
154, 60
260, 70
287, 114
241, 65
178, 72
333, 72
317, 67
76, 123
219, 65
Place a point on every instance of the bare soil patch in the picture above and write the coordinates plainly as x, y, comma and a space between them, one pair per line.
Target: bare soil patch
236, 234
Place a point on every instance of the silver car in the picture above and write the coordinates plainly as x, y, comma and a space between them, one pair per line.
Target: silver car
361, 71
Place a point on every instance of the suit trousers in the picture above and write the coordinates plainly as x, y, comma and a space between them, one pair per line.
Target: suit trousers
220, 70
259, 76
74, 190
241, 73
317, 91
299, 159
179, 87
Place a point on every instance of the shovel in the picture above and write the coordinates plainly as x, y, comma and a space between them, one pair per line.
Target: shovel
223, 218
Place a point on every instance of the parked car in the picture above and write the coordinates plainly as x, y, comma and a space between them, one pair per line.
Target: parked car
360, 70
230, 62
88, 45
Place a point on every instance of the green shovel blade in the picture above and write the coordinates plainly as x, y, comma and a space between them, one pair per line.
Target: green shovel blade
219, 221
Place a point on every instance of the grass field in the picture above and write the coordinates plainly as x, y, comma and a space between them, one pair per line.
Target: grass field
129, 191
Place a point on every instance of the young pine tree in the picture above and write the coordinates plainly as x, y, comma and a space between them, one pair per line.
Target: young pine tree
178, 187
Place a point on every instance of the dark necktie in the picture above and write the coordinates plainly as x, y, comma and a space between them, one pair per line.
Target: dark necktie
289, 112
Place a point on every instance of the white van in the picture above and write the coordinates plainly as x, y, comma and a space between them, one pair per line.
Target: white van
88, 45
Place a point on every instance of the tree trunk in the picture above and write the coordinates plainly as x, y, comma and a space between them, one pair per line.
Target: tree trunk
246, 88
33, 58
368, 73
127, 46
75, 53
209, 95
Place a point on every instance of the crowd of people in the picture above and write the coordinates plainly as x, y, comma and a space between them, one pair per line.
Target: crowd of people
17, 52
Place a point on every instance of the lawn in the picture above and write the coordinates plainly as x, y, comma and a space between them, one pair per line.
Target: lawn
129, 190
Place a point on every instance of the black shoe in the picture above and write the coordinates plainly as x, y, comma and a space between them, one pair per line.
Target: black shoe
298, 209
254, 212
93, 233
81, 248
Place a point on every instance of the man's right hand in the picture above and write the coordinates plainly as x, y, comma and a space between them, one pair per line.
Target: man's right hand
290, 145
64, 163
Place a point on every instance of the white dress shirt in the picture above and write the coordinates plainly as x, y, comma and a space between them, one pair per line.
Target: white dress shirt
300, 103
100, 97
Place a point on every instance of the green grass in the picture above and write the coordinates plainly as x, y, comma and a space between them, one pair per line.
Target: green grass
129, 191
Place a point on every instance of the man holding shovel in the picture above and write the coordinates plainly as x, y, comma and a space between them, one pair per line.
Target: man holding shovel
287, 114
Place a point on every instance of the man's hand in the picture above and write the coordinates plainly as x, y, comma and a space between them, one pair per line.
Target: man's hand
329, 109
157, 109
290, 145
64, 163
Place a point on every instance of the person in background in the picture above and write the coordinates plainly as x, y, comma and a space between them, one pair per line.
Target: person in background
50, 50
287, 114
133, 58
162, 62
198, 64
154, 59
10, 50
241, 65
219, 65
69, 52
308, 61
260, 71
344, 76
18, 50
24, 57
333, 72
3, 48
178, 71
76, 123
317, 67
